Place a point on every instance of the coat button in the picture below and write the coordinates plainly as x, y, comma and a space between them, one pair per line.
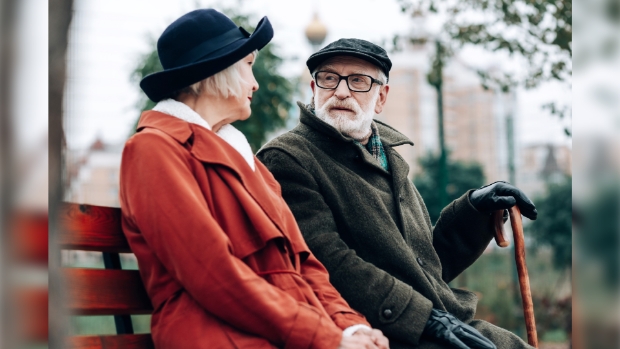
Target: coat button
420, 261
387, 313
401, 198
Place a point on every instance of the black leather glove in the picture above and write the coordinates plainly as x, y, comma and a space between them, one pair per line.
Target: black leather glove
500, 196
444, 328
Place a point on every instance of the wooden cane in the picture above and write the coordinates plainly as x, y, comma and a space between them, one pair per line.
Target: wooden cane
524, 280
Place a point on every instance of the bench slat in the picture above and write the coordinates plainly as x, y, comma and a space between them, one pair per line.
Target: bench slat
92, 228
106, 292
123, 341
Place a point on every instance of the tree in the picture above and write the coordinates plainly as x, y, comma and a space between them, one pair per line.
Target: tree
270, 104
553, 227
539, 32
462, 176
596, 222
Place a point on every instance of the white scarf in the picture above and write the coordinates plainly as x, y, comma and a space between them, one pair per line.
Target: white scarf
227, 132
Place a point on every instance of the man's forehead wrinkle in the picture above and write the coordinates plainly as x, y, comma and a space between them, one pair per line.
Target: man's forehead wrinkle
329, 67
354, 67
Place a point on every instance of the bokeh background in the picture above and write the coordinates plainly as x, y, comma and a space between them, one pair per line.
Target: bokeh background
502, 68
505, 72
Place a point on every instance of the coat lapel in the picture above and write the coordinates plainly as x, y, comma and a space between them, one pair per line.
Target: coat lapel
211, 149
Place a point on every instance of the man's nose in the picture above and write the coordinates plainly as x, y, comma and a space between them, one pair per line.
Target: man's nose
342, 91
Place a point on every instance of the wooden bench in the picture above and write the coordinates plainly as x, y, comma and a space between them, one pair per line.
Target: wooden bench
109, 291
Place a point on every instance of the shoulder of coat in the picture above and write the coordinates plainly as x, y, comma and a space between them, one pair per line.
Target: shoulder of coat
152, 138
391, 136
290, 142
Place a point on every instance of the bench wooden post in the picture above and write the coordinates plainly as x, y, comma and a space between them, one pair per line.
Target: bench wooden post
122, 322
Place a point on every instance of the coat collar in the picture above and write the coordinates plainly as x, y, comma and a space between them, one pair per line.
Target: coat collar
182, 111
227, 132
206, 146
176, 128
389, 136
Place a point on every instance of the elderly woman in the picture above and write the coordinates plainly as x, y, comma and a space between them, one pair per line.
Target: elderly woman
220, 253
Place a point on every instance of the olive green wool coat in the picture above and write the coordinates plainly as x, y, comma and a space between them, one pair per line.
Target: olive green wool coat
371, 230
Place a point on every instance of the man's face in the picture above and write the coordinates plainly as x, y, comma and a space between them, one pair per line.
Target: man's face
349, 112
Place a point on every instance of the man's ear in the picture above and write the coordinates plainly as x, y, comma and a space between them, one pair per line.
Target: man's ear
383, 93
313, 87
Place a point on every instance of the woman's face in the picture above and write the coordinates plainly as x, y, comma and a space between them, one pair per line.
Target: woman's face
249, 86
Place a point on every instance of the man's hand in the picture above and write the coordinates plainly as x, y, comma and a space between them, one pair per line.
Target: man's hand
500, 196
444, 328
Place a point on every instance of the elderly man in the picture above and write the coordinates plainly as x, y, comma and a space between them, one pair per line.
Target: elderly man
366, 222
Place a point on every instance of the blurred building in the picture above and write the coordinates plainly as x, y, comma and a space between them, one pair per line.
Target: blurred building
93, 174
541, 164
411, 107
92, 177
475, 119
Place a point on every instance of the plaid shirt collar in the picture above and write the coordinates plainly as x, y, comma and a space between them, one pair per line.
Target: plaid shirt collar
375, 147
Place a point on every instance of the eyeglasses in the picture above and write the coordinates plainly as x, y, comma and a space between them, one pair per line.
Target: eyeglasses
355, 82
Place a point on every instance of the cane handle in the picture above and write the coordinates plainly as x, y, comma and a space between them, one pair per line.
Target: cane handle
498, 223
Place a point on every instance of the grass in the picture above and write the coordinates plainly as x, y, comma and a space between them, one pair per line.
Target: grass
493, 277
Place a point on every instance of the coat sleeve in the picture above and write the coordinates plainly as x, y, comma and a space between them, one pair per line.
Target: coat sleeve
165, 202
460, 236
338, 309
388, 303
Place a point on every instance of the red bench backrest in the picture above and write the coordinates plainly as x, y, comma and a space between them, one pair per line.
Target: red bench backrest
109, 291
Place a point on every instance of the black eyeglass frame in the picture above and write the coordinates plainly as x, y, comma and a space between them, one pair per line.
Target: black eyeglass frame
346, 78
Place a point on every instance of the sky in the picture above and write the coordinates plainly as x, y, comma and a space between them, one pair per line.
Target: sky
108, 38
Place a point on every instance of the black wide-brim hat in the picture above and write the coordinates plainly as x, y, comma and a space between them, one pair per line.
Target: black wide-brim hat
200, 44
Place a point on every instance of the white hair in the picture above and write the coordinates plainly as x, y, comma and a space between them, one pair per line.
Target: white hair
382, 76
226, 83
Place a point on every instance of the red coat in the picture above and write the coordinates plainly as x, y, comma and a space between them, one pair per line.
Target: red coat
220, 253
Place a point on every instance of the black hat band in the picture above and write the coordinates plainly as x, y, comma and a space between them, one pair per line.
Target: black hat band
205, 49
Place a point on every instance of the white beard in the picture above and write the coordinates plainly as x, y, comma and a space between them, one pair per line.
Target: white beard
356, 127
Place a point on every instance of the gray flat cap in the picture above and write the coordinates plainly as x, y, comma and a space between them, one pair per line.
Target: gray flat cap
352, 47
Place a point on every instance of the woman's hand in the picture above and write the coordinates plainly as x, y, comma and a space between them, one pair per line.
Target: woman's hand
356, 341
377, 337
365, 339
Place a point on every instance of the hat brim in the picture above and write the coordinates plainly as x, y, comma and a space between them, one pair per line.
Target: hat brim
160, 85
316, 60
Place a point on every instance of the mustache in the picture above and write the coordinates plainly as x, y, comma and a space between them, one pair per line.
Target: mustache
344, 104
